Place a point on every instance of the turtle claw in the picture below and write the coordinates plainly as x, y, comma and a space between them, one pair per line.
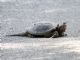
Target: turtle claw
63, 35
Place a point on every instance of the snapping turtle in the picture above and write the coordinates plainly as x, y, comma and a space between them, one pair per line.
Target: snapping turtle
44, 30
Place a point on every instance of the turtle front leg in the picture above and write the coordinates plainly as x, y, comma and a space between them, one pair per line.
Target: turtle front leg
55, 35
62, 34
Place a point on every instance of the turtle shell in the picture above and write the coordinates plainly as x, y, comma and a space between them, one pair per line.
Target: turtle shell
41, 28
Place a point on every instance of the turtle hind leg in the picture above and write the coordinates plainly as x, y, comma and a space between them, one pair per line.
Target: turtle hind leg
55, 35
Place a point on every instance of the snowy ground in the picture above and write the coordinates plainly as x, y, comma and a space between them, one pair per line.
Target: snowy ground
40, 49
17, 15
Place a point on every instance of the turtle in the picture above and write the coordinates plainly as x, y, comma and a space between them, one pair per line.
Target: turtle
45, 30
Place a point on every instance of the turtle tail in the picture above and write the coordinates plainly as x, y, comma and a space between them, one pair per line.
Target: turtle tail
20, 34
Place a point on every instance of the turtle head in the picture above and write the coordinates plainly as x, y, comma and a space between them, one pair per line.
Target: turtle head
62, 29
64, 23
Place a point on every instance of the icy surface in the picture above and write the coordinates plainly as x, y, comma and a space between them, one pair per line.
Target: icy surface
17, 15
